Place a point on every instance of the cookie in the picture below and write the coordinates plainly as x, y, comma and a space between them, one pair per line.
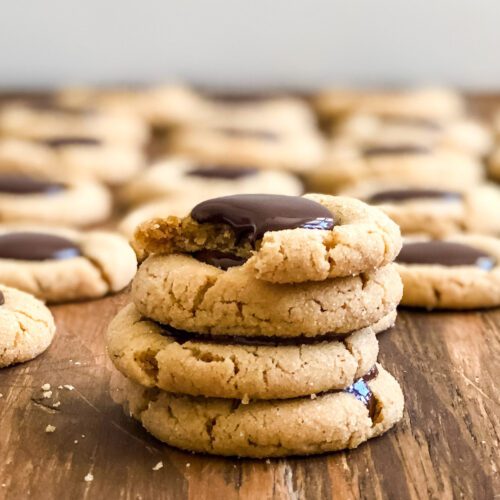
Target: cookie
301, 426
69, 203
285, 239
184, 177
412, 165
181, 291
273, 113
367, 130
238, 367
459, 272
74, 158
260, 148
27, 326
45, 119
424, 103
434, 212
59, 265
494, 164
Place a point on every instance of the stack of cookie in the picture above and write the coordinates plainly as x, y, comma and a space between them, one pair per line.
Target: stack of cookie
253, 326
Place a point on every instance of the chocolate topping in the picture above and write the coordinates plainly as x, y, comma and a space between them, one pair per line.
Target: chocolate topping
404, 149
36, 246
240, 97
396, 195
413, 121
19, 184
219, 259
61, 142
2, 298
252, 215
445, 253
256, 134
222, 172
360, 390
182, 337
49, 105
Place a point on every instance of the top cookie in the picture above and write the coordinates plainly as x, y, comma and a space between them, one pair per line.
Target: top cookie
284, 239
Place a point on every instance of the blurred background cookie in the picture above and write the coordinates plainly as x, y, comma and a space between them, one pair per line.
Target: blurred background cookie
59, 265
27, 326
36, 199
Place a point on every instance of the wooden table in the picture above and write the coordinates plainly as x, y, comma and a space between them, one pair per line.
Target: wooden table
446, 446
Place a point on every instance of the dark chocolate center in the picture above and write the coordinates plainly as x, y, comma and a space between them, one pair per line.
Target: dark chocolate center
181, 337
49, 105
61, 142
413, 121
240, 97
252, 215
2, 298
219, 259
396, 195
445, 253
37, 246
404, 149
255, 134
360, 390
222, 172
18, 184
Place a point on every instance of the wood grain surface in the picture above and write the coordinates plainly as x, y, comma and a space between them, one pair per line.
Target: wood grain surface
446, 446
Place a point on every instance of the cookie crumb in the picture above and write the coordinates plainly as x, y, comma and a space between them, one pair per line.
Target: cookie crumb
83, 435
50, 428
45, 387
1, 395
88, 478
47, 394
75, 441
69, 387
57, 404
245, 400
188, 465
158, 466
313, 396
268, 462
59, 386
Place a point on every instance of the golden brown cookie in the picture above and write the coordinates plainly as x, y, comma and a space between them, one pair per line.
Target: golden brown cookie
459, 272
425, 103
408, 164
285, 239
59, 265
27, 326
301, 426
28, 199
187, 294
435, 212
238, 367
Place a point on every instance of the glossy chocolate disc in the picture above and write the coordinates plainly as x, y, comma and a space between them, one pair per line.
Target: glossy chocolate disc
255, 134
37, 246
254, 214
445, 253
18, 184
396, 195
396, 150
222, 172
61, 142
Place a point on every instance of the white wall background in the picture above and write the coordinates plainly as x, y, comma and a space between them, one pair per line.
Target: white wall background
250, 43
